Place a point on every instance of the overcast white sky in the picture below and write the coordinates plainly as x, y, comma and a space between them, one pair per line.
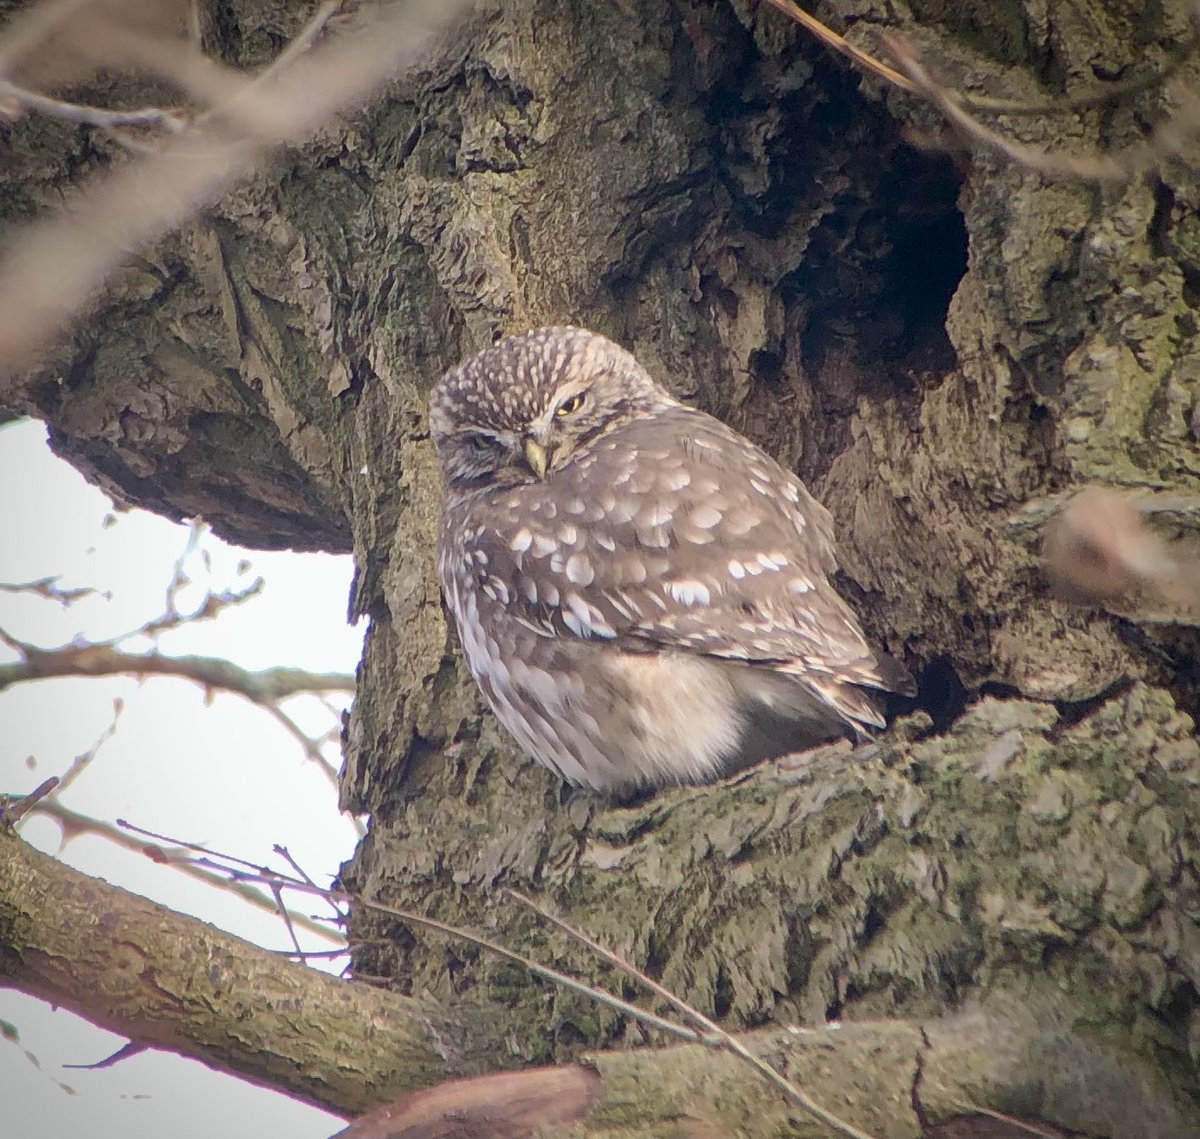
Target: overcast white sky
224, 774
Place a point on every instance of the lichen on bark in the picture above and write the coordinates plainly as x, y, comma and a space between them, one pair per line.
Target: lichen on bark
942, 346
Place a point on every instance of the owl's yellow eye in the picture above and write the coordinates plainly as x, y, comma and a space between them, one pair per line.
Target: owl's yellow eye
480, 444
568, 406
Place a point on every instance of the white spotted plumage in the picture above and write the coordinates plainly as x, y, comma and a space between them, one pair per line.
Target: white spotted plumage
653, 606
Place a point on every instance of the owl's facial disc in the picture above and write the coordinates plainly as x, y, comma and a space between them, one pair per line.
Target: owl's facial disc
552, 437
525, 407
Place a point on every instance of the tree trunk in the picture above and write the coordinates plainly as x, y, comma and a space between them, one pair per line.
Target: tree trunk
941, 347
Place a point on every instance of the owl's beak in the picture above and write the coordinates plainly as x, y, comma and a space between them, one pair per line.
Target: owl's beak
535, 456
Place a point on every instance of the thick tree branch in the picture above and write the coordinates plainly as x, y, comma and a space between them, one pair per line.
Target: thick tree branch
169, 981
172, 982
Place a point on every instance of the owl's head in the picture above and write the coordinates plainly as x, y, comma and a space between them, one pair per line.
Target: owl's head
522, 408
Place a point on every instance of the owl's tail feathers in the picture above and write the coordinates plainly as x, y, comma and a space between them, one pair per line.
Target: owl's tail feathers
859, 708
857, 696
792, 708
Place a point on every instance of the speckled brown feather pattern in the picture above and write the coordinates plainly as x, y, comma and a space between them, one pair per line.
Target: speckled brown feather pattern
648, 609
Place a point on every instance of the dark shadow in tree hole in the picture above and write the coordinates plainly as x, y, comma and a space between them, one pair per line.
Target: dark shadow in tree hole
882, 268
941, 693
820, 177
998, 690
722, 993
884, 242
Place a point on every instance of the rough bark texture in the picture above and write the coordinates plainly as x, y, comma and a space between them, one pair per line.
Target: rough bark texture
117, 959
941, 348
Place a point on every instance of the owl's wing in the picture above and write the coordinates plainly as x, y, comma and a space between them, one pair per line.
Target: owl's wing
673, 531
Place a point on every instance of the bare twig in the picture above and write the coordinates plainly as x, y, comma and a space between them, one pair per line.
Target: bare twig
212, 605
1169, 139
711, 1032
1012, 1121
243, 872
311, 747
705, 1031
214, 858
286, 855
1099, 96
179, 575
265, 688
838, 43
539, 970
82, 761
74, 823
170, 119
277, 890
12, 810
307, 36
48, 588
328, 954
15, 643
52, 270
126, 1052
277, 893
262, 686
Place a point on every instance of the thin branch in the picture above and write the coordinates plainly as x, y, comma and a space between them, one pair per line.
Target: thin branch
273, 878
172, 119
73, 823
839, 44
54, 268
712, 1033
48, 588
1096, 97
13, 809
1169, 139
282, 910
212, 606
301, 42
195, 848
127, 1051
179, 576
538, 970
706, 1031
328, 954
261, 686
15, 643
1012, 1121
247, 872
286, 855
82, 761
312, 748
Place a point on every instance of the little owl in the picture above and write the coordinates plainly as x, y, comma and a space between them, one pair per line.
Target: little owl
641, 592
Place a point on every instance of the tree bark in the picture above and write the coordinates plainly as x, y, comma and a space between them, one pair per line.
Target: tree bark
116, 958
169, 981
942, 348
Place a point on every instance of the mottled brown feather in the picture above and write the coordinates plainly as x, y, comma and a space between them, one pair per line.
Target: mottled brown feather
657, 531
